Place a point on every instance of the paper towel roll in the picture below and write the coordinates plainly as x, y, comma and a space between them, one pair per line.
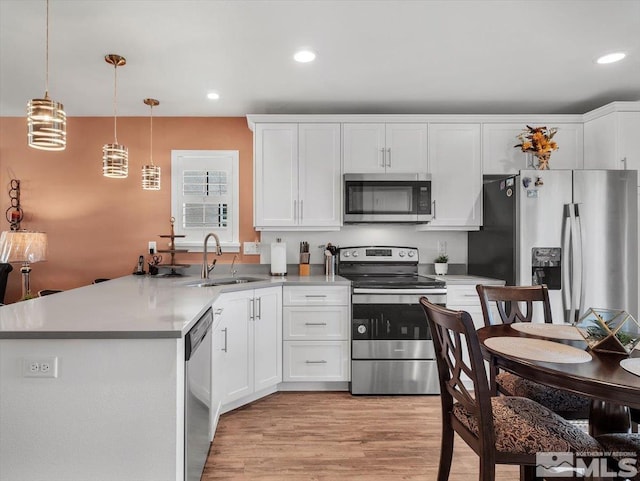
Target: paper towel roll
278, 259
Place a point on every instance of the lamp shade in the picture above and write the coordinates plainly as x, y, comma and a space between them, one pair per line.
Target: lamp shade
23, 246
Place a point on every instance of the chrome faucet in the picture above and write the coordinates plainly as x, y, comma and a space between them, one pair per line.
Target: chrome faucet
206, 268
233, 263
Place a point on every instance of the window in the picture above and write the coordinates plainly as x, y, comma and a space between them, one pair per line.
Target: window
205, 197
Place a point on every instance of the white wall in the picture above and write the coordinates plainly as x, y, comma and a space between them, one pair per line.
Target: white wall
368, 234
110, 415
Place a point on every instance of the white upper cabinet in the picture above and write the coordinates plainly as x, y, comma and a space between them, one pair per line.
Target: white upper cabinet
500, 156
297, 176
456, 176
611, 140
276, 174
385, 148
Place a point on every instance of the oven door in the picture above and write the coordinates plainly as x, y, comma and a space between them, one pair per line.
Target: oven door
391, 326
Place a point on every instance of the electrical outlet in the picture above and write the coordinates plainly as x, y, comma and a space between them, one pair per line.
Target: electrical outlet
442, 248
153, 248
251, 249
40, 367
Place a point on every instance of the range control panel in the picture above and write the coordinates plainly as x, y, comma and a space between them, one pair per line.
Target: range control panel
379, 254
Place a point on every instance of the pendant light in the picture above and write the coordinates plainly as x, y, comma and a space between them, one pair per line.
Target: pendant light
46, 119
115, 157
150, 172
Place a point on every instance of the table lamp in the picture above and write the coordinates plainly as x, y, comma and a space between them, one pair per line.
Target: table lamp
25, 247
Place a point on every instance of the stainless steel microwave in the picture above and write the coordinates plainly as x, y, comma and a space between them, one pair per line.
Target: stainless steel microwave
387, 198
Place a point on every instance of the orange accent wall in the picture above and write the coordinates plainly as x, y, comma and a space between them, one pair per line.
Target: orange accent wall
96, 226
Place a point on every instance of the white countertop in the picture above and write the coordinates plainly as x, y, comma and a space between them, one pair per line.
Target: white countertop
128, 307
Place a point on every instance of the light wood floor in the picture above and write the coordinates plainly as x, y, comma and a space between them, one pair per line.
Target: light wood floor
329, 436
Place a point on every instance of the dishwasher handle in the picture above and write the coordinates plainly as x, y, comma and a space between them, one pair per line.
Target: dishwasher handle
196, 335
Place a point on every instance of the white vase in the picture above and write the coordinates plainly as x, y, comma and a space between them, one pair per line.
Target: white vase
441, 268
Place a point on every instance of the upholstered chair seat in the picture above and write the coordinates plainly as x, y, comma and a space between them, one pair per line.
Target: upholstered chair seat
620, 443
523, 426
562, 402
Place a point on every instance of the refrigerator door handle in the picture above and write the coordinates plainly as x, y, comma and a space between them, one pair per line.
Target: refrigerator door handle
580, 267
567, 286
575, 264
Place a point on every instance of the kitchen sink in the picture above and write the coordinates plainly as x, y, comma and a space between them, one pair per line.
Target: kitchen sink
226, 281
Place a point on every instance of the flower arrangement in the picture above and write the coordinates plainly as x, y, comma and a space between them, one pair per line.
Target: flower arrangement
538, 141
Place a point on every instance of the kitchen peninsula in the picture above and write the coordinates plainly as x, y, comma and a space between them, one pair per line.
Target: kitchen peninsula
115, 408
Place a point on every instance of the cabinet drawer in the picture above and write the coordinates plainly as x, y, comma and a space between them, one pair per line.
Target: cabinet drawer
462, 295
316, 295
316, 323
316, 361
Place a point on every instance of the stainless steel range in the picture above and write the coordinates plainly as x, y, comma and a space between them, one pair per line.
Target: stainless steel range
391, 349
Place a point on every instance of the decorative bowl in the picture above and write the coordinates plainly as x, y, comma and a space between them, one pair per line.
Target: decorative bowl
609, 330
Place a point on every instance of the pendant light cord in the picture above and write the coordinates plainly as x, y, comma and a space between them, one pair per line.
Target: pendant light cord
151, 135
115, 102
46, 88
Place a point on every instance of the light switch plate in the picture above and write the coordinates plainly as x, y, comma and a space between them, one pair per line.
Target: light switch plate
251, 249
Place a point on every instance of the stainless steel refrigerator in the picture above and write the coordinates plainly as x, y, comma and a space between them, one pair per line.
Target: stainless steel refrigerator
574, 230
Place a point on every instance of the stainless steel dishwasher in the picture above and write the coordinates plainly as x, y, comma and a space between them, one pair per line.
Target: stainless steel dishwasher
197, 399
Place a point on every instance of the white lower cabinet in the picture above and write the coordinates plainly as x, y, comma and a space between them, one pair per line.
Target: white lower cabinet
218, 365
252, 341
464, 297
316, 361
316, 322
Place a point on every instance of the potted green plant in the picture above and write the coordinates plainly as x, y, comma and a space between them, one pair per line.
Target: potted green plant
441, 264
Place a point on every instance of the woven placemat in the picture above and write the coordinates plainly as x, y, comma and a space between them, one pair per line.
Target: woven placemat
551, 331
537, 350
632, 365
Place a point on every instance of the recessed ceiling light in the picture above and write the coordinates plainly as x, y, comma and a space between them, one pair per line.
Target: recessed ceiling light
213, 96
611, 57
304, 56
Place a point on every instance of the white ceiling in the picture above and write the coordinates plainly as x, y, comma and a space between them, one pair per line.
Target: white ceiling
384, 56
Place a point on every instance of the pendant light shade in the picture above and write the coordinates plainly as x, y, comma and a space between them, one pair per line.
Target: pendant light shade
150, 172
115, 157
46, 119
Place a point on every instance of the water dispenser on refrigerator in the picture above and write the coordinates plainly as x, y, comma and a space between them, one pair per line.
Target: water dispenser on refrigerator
546, 267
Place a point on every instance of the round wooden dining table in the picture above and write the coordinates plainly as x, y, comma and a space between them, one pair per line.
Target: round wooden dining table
612, 388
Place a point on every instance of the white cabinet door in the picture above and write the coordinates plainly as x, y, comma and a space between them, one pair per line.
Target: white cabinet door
319, 175
629, 147
364, 148
406, 146
275, 175
456, 176
500, 156
600, 139
253, 320
380, 148
218, 365
610, 141
267, 324
239, 354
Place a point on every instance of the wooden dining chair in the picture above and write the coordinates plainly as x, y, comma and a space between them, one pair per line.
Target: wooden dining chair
501, 429
518, 304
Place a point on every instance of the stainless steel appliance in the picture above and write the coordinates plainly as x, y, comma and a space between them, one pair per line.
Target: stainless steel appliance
391, 348
576, 231
389, 198
197, 401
